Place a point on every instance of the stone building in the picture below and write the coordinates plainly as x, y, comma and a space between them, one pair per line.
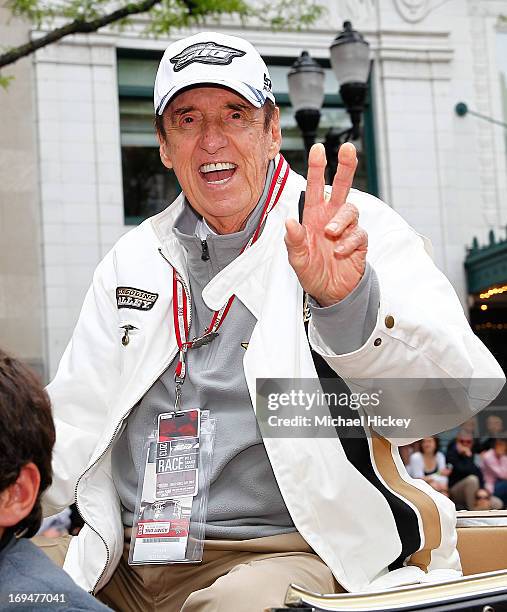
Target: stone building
79, 164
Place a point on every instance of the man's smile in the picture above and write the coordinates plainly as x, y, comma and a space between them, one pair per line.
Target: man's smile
217, 173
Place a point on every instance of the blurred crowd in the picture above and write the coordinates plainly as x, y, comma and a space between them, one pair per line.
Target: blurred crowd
470, 469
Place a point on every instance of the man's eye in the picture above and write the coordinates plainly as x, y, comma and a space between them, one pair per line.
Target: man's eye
236, 115
188, 120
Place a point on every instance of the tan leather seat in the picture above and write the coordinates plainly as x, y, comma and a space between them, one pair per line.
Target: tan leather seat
482, 540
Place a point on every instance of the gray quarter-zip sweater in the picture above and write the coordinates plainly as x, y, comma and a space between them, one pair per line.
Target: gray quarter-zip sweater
244, 499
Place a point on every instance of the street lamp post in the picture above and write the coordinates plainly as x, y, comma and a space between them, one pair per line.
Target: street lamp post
351, 65
306, 91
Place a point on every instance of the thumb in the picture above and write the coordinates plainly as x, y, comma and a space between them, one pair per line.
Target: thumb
296, 242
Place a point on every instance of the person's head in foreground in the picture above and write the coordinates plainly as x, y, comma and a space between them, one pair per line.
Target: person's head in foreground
27, 438
217, 125
26, 442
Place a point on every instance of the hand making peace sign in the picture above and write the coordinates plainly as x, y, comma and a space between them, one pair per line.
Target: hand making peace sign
328, 251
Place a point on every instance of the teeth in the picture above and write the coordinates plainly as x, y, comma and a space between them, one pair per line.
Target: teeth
218, 166
218, 182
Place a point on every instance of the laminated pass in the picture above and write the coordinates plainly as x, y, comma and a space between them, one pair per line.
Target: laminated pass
177, 454
172, 492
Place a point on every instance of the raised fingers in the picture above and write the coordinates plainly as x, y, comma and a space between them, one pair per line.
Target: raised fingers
346, 216
297, 244
342, 182
350, 242
316, 175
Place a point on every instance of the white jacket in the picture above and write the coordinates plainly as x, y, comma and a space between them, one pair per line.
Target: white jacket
358, 524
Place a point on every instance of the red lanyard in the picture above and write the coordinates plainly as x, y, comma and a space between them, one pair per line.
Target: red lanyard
182, 300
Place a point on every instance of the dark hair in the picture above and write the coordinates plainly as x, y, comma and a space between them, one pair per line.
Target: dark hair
437, 443
269, 111
27, 434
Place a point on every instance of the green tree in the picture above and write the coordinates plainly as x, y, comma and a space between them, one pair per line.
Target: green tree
64, 17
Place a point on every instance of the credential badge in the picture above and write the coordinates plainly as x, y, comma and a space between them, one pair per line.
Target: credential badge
205, 53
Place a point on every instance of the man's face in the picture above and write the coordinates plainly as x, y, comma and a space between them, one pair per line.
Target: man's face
218, 147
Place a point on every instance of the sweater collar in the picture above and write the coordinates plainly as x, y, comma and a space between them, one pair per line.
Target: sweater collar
222, 249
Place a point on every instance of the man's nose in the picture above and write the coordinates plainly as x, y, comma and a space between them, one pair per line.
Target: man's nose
213, 137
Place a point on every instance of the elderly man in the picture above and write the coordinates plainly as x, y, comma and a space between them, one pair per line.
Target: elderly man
193, 306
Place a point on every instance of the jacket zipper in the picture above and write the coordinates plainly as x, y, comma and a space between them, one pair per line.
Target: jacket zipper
205, 250
126, 338
117, 428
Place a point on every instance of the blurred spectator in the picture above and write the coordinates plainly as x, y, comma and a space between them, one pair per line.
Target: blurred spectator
429, 464
482, 500
407, 451
465, 478
494, 426
57, 525
494, 468
471, 428
27, 437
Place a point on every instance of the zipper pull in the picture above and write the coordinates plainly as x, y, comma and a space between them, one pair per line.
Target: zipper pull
205, 251
126, 339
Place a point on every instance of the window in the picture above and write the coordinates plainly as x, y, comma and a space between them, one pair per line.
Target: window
148, 187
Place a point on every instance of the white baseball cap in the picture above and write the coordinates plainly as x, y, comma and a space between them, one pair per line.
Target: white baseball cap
212, 58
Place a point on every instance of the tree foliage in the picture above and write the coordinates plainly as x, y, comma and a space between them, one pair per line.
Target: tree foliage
60, 18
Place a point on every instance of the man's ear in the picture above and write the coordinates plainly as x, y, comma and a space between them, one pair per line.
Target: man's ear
18, 499
164, 151
276, 134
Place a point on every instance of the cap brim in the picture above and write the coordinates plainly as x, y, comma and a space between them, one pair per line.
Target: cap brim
254, 96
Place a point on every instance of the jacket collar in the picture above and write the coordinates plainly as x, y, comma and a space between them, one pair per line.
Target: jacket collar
222, 248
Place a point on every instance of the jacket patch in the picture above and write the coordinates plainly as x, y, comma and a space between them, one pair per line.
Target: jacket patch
128, 297
205, 53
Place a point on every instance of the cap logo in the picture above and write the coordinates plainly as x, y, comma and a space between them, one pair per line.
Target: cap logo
205, 53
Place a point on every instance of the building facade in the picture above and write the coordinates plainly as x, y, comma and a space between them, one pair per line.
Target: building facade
80, 163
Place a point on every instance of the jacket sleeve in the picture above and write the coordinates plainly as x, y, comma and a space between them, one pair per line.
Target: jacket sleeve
81, 391
422, 353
